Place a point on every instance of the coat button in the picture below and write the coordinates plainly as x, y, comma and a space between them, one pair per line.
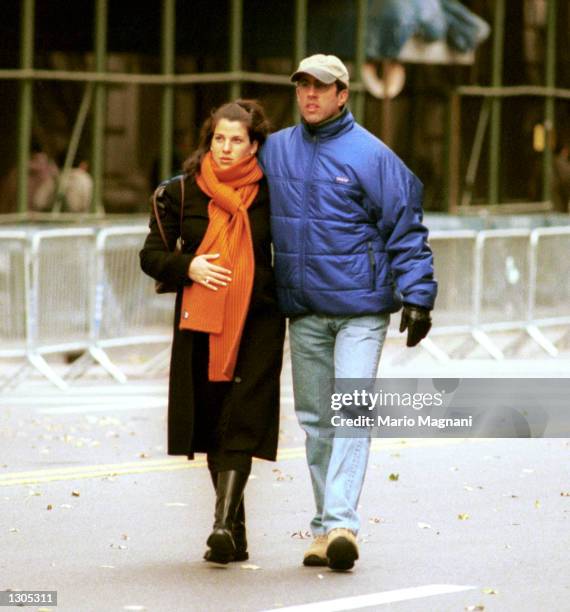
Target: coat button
237, 379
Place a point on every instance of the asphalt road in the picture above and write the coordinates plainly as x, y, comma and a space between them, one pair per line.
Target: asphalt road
93, 508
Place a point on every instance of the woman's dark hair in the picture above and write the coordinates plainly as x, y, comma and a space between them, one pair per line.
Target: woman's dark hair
248, 112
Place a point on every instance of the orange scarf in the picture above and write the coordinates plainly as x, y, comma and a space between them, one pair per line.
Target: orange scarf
222, 313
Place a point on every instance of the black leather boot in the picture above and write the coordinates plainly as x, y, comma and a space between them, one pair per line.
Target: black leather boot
229, 494
239, 533
238, 530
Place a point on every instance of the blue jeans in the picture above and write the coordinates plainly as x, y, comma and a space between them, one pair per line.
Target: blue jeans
328, 347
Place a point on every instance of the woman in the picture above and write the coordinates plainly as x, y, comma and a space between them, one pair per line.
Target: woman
228, 332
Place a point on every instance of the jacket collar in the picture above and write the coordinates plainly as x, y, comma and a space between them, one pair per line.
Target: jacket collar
329, 128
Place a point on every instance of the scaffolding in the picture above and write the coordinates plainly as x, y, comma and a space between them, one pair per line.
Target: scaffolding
100, 78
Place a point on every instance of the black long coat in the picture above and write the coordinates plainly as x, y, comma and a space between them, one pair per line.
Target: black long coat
243, 414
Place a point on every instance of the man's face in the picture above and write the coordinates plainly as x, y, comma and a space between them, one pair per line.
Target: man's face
318, 101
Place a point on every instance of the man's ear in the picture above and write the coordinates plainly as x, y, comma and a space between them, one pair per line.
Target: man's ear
342, 97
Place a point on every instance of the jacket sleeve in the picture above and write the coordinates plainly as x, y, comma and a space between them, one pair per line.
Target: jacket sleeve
398, 203
161, 263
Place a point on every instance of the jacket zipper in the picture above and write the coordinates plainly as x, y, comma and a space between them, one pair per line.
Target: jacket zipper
304, 212
372, 265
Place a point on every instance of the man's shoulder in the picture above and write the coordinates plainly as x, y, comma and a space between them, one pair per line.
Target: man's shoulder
276, 145
370, 146
367, 139
280, 136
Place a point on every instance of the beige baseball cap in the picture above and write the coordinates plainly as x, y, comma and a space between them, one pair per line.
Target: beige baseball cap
325, 68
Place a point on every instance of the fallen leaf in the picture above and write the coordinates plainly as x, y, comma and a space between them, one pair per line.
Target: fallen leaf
75, 493
537, 503
279, 475
249, 566
477, 608
302, 535
394, 477
565, 494
144, 455
14, 530
124, 536
424, 525
489, 591
463, 516
49, 507
375, 520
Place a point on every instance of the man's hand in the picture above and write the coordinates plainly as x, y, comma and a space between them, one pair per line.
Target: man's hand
417, 321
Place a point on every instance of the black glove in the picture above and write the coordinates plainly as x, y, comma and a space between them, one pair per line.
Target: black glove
417, 321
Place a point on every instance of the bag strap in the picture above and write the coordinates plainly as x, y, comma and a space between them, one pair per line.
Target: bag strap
157, 216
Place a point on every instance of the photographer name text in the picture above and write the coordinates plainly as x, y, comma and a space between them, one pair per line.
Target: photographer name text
362, 420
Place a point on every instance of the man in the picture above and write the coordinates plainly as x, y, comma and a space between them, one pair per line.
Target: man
349, 249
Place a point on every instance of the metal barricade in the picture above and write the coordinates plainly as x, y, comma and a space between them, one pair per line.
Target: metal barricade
68, 290
501, 285
127, 311
549, 297
14, 287
61, 277
454, 265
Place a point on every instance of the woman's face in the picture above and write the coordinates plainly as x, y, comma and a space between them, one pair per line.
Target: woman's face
231, 143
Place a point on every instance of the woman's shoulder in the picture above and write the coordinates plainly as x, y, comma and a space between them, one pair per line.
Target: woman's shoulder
174, 188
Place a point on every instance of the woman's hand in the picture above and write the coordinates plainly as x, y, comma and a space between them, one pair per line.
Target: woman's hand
208, 274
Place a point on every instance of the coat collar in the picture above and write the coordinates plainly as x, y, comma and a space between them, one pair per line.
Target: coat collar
330, 128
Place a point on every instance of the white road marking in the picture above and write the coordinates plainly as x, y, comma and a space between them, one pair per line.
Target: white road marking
374, 599
129, 404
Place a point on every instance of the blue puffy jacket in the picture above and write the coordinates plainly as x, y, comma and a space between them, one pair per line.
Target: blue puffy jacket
346, 222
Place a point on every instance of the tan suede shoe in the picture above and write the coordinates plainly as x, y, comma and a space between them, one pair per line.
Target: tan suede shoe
342, 550
316, 556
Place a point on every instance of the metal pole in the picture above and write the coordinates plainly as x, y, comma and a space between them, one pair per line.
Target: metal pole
495, 135
360, 57
236, 21
26, 102
473, 164
73, 144
300, 43
549, 114
168, 44
453, 152
98, 126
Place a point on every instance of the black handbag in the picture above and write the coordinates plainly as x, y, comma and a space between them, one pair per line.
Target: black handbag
160, 286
